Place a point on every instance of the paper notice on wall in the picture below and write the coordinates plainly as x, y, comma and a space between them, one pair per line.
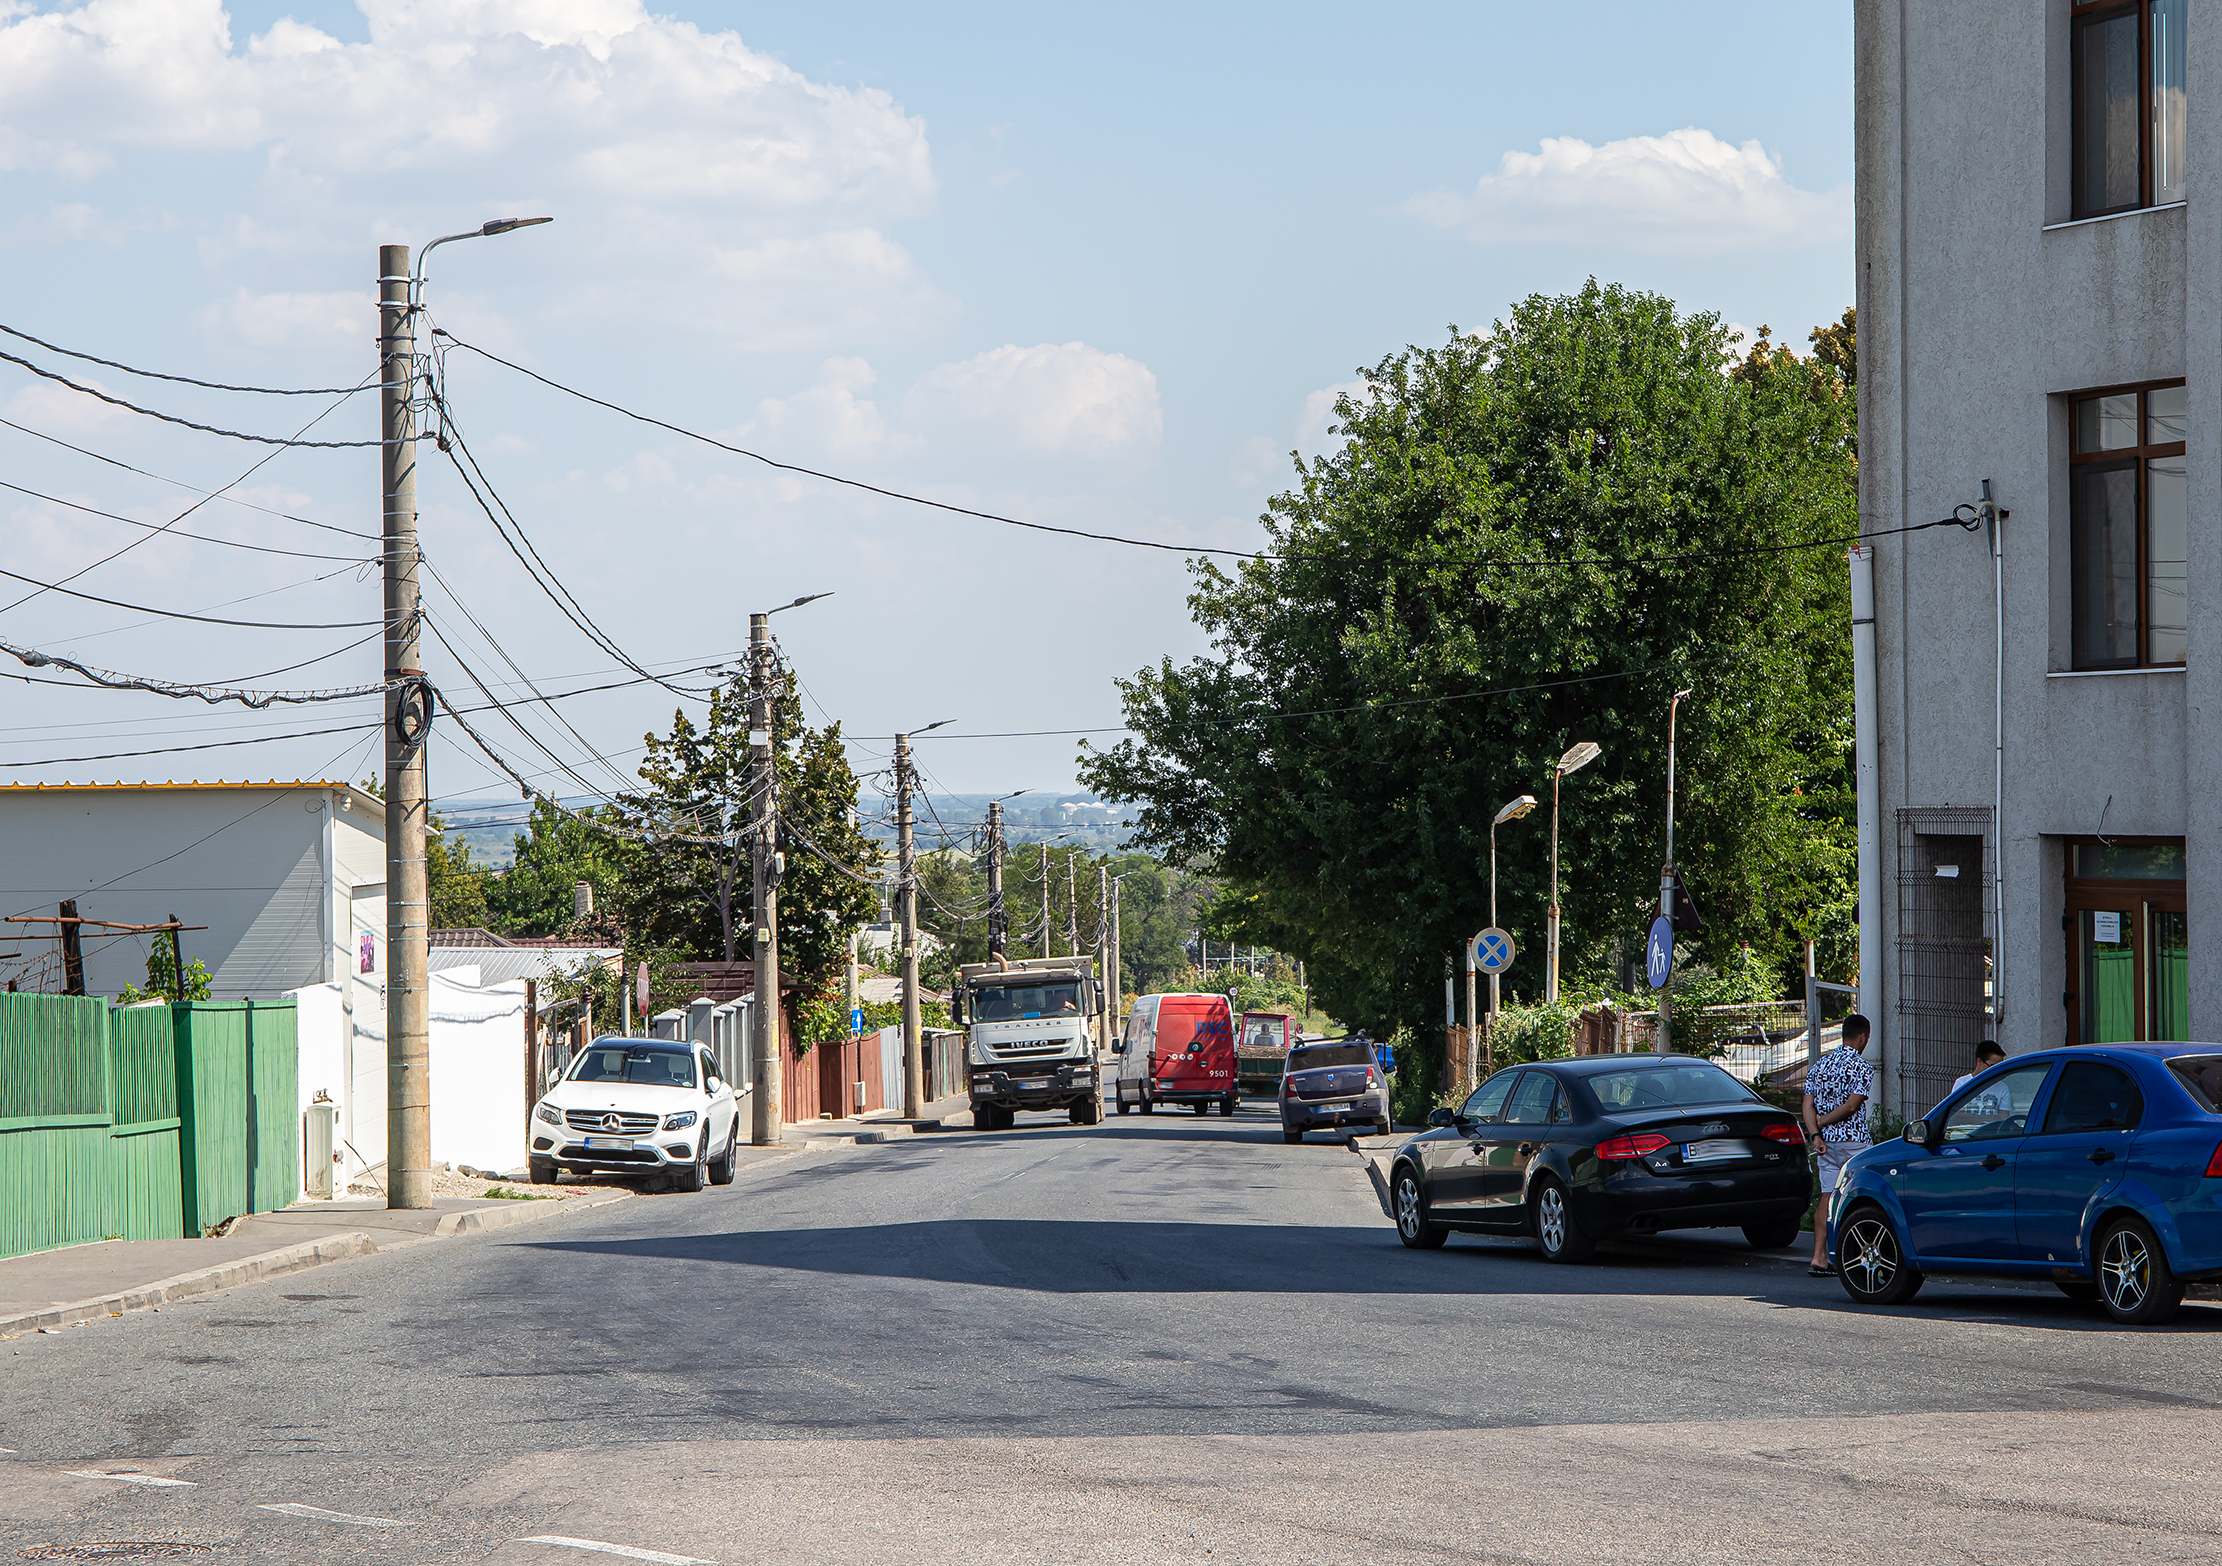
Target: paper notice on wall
2107, 927
369, 958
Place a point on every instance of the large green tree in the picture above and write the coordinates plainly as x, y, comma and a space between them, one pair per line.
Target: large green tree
1528, 538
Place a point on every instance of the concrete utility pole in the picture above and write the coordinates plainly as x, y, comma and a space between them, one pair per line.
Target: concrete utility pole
408, 720
1045, 899
1117, 981
1103, 955
1660, 1044
906, 892
999, 922
1072, 908
770, 1104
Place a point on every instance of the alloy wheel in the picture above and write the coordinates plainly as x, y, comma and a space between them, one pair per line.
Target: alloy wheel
1408, 1207
1869, 1263
2126, 1270
1550, 1218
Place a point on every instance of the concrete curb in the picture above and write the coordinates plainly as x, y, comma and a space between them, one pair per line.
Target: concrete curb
344, 1246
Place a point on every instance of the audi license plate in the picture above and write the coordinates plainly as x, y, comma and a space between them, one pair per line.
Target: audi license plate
625, 1142
1713, 1152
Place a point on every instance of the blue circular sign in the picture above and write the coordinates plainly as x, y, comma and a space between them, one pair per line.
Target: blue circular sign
1658, 955
1493, 950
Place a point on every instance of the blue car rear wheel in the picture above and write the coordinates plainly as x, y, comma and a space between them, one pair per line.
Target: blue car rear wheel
2136, 1284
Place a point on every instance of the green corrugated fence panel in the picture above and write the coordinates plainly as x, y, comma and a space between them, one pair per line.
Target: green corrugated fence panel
53, 1055
211, 1049
53, 1187
145, 1198
277, 1101
142, 1049
236, 1069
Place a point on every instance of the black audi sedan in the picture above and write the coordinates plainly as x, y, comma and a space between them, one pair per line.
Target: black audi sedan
1575, 1151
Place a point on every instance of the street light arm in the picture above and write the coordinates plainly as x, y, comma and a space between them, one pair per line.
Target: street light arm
489, 227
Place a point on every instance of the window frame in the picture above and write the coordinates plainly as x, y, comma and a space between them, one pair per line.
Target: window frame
2135, 460
2139, 899
2081, 15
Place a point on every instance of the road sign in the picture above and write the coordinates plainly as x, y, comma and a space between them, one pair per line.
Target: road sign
1658, 955
1493, 950
856, 1019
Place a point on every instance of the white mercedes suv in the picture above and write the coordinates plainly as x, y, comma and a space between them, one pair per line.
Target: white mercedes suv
638, 1106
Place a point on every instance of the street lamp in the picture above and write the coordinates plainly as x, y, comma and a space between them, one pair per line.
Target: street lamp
484, 230
1666, 874
1573, 761
1512, 812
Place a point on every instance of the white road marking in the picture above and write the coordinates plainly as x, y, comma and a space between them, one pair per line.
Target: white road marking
155, 1479
625, 1550
319, 1514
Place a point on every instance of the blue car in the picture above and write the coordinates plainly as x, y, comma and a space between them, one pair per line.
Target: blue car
2096, 1168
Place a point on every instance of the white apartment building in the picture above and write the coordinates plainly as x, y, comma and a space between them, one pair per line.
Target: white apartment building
2040, 308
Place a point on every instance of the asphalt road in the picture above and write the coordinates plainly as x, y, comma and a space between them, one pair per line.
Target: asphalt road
1159, 1339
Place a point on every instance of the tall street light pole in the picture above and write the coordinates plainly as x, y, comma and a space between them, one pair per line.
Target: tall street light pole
1574, 760
409, 705
1666, 873
1511, 812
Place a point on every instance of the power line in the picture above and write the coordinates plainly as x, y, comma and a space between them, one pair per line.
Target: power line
206, 494
179, 614
187, 380
166, 528
32, 658
1329, 556
206, 429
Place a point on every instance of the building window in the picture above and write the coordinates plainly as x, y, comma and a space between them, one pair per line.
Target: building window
2129, 105
2129, 941
2128, 522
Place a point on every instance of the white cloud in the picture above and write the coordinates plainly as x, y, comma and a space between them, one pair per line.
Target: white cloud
49, 405
1684, 193
1315, 434
654, 139
290, 321
833, 415
1053, 400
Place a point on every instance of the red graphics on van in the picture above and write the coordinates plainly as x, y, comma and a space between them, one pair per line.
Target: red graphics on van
1178, 1049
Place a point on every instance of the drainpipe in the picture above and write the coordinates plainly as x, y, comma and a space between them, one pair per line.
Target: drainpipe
1867, 780
1989, 511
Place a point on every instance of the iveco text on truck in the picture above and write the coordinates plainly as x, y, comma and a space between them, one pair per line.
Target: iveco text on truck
1030, 1029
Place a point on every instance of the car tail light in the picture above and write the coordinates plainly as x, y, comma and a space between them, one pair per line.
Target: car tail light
2214, 1165
1638, 1144
1790, 1133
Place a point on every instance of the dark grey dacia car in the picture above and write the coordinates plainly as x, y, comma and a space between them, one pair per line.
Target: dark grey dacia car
1332, 1085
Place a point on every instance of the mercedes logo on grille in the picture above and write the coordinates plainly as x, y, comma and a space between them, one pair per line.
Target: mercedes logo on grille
613, 1121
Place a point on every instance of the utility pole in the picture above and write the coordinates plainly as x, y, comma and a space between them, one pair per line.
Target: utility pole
1118, 958
999, 921
1045, 899
1666, 874
770, 1103
853, 1001
906, 891
1103, 954
1072, 907
408, 722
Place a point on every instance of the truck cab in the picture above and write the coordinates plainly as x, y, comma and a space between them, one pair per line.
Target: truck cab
1029, 1026
1178, 1049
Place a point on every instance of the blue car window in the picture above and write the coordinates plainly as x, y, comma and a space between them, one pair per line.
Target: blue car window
1996, 1107
2093, 1096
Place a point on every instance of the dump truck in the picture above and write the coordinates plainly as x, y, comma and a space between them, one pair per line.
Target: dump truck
1030, 1030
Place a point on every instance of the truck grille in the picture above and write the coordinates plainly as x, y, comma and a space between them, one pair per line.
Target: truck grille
597, 1120
1040, 1051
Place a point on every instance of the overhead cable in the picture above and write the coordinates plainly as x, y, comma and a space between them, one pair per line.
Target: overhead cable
166, 528
203, 619
32, 658
206, 429
185, 380
206, 494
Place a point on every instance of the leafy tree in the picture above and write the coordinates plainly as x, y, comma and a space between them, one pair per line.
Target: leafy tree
162, 979
537, 894
457, 887
694, 895
1528, 538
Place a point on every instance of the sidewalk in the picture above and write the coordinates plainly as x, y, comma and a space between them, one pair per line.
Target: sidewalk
87, 1282
882, 1125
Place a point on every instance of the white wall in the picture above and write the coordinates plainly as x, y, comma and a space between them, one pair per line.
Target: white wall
478, 1073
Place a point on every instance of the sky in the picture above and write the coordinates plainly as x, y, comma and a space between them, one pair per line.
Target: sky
1095, 270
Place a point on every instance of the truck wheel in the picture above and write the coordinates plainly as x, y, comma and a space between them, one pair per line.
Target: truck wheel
1149, 1105
1203, 1109
1123, 1105
1226, 1105
1087, 1114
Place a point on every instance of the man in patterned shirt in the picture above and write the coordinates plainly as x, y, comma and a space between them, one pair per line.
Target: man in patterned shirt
1835, 1113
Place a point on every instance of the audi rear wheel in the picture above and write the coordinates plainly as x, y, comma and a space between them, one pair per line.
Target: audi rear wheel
1556, 1226
1869, 1261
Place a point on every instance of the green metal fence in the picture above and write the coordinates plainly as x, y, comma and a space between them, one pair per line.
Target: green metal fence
142, 1122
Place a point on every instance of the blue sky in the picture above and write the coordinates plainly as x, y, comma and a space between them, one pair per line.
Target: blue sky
1100, 271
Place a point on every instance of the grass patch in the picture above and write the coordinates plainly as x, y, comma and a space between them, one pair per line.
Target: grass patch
502, 1193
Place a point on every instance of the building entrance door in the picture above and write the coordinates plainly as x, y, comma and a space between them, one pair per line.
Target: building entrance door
2129, 942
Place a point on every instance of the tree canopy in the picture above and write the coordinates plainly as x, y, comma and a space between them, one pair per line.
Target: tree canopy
1528, 538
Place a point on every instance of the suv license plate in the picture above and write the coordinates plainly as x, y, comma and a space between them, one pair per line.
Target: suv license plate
610, 1141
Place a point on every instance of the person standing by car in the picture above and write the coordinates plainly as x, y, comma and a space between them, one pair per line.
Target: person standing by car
1835, 1115
1987, 1055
